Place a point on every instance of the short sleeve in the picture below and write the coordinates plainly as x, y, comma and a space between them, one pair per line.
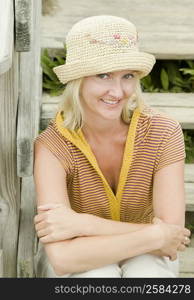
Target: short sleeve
172, 148
58, 145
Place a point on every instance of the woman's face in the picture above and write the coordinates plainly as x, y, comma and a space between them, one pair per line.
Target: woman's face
106, 94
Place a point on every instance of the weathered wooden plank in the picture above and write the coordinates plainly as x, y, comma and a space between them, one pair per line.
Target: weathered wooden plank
174, 100
187, 260
189, 173
29, 98
186, 275
9, 182
179, 106
27, 130
26, 230
23, 11
6, 35
189, 191
165, 29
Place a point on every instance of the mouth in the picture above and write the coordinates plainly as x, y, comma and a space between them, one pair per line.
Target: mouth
110, 102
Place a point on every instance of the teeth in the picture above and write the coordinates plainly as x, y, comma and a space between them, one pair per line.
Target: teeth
110, 101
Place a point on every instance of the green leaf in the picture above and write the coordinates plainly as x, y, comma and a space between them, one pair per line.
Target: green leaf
172, 70
60, 60
187, 71
49, 62
49, 72
164, 79
49, 85
190, 63
56, 92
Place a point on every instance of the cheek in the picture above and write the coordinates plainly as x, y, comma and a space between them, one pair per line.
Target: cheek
92, 90
129, 89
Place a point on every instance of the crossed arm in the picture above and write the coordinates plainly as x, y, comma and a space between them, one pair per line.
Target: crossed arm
79, 242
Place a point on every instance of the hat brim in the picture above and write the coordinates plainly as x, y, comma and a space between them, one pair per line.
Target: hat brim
135, 60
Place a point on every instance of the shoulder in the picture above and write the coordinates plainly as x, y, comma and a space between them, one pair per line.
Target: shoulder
157, 120
156, 125
51, 139
52, 136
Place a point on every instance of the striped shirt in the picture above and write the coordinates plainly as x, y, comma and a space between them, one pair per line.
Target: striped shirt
154, 141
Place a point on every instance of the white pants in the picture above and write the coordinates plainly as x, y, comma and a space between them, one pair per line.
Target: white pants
145, 266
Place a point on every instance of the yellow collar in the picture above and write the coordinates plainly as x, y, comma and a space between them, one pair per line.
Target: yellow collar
78, 139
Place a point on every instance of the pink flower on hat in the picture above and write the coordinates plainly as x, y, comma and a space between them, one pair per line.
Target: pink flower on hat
117, 36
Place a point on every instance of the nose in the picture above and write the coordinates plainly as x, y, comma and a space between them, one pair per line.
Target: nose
116, 89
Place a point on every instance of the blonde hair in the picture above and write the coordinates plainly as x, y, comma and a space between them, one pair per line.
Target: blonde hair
73, 112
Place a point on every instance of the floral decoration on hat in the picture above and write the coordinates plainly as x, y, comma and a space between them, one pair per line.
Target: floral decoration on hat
115, 39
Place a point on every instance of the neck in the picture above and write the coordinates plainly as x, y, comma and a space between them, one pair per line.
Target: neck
104, 130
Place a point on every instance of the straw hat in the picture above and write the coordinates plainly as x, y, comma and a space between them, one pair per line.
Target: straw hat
101, 44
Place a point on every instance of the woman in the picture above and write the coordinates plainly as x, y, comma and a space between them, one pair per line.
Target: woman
108, 169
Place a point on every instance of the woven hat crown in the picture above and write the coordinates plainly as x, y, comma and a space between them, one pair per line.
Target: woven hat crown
100, 36
101, 44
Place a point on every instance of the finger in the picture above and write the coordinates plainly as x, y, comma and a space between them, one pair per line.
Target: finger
187, 232
42, 232
46, 239
40, 226
181, 247
156, 220
173, 257
48, 206
38, 218
186, 240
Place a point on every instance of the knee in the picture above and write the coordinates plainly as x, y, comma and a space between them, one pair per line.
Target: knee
149, 266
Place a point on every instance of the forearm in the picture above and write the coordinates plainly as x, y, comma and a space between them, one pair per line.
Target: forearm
86, 253
99, 226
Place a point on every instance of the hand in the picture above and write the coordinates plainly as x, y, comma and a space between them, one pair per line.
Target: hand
174, 238
56, 222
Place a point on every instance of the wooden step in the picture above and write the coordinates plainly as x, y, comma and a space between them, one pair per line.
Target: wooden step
179, 106
187, 261
165, 30
189, 191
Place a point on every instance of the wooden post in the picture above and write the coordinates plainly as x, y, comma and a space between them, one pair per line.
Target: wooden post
23, 25
6, 35
9, 182
30, 84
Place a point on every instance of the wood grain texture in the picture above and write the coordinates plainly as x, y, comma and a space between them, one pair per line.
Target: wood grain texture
9, 182
23, 19
27, 129
6, 35
165, 28
30, 82
26, 238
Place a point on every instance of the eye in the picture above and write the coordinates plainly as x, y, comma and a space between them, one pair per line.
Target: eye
102, 76
129, 75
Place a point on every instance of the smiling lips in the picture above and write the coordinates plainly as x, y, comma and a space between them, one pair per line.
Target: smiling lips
110, 102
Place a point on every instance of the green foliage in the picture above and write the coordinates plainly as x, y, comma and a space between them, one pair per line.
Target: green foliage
51, 83
189, 221
174, 76
189, 145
